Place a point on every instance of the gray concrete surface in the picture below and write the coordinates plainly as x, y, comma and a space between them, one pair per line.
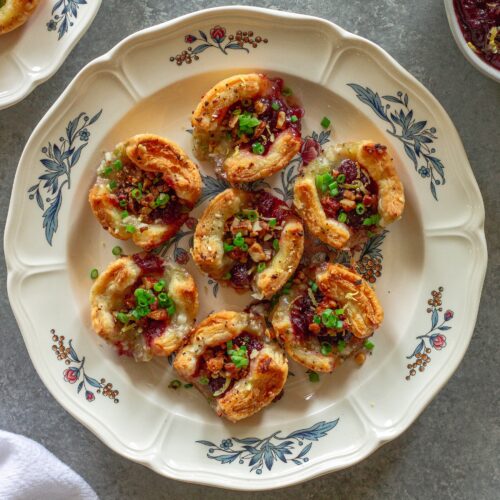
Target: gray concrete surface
452, 450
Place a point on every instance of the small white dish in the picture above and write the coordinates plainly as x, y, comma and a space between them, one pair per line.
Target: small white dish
150, 82
469, 54
32, 53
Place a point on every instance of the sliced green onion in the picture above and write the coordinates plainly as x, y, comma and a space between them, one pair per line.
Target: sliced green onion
360, 209
326, 348
159, 286
171, 308
117, 250
276, 244
251, 215
368, 344
272, 222
162, 297
107, 171
237, 111
323, 181
313, 286
238, 240
261, 267
287, 91
223, 389
373, 220
124, 214
136, 193
163, 199
203, 380
325, 122
317, 319
122, 317
130, 229
175, 384
341, 345
94, 273
244, 247
338, 312
275, 105
342, 217
226, 276
313, 377
293, 119
228, 247
112, 185
118, 165
341, 178
334, 192
258, 148
123, 203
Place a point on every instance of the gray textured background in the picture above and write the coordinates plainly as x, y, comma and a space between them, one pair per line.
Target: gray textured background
452, 450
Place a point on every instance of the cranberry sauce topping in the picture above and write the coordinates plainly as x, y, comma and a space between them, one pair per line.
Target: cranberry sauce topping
149, 263
146, 195
349, 195
301, 315
251, 237
479, 21
152, 329
220, 366
255, 123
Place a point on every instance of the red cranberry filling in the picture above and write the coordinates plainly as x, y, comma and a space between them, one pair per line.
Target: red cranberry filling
149, 263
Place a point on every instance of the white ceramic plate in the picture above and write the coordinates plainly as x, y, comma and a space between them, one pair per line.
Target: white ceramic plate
32, 53
52, 241
469, 54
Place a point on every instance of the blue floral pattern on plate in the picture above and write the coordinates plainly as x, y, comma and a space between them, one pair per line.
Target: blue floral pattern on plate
258, 453
59, 161
64, 14
416, 137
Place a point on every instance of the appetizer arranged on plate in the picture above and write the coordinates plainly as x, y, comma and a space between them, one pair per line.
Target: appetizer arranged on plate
248, 127
326, 317
145, 190
349, 191
233, 360
249, 240
14, 13
144, 306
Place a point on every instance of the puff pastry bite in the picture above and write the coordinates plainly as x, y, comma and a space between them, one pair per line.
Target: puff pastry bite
249, 240
144, 305
14, 13
145, 190
231, 358
326, 317
248, 126
350, 190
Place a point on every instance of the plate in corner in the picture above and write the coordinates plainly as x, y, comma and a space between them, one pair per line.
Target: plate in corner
32, 53
419, 267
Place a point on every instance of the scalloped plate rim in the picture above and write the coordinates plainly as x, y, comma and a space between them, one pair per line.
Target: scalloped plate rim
472, 228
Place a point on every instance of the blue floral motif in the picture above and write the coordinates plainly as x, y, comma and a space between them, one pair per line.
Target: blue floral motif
64, 13
265, 452
436, 339
59, 160
416, 137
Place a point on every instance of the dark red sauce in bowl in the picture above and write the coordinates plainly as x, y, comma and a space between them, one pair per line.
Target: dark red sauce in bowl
476, 19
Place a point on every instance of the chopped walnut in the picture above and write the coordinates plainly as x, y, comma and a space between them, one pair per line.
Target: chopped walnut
281, 119
158, 315
314, 328
257, 253
260, 107
233, 121
243, 226
347, 205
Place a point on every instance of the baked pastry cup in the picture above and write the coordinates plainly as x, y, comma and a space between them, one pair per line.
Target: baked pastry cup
145, 190
247, 127
233, 361
14, 13
144, 305
349, 192
249, 240
327, 316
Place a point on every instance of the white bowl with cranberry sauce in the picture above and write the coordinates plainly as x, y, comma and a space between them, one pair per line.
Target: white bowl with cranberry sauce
468, 49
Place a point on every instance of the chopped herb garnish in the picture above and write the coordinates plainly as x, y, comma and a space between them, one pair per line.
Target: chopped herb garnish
247, 123
272, 222
136, 193
118, 165
203, 380
275, 105
341, 178
130, 229
341, 345
360, 209
107, 171
123, 203
226, 276
162, 200
124, 214
228, 247
175, 384
326, 348
313, 286
244, 247
251, 215
342, 217
261, 267
238, 356
258, 148
112, 185
325, 122
323, 181
276, 244
238, 240
122, 317
293, 119
368, 344
117, 250
94, 273
159, 286
287, 91
373, 220
317, 319
188, 386
313, 376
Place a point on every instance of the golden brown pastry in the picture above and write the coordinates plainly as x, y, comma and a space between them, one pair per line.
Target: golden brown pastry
249, 240
145, 190
326, 317
231, 358
348, 192
247, 126
144, 305
14, 13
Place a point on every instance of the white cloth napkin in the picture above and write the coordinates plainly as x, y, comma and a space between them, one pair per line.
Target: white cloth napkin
30, 472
